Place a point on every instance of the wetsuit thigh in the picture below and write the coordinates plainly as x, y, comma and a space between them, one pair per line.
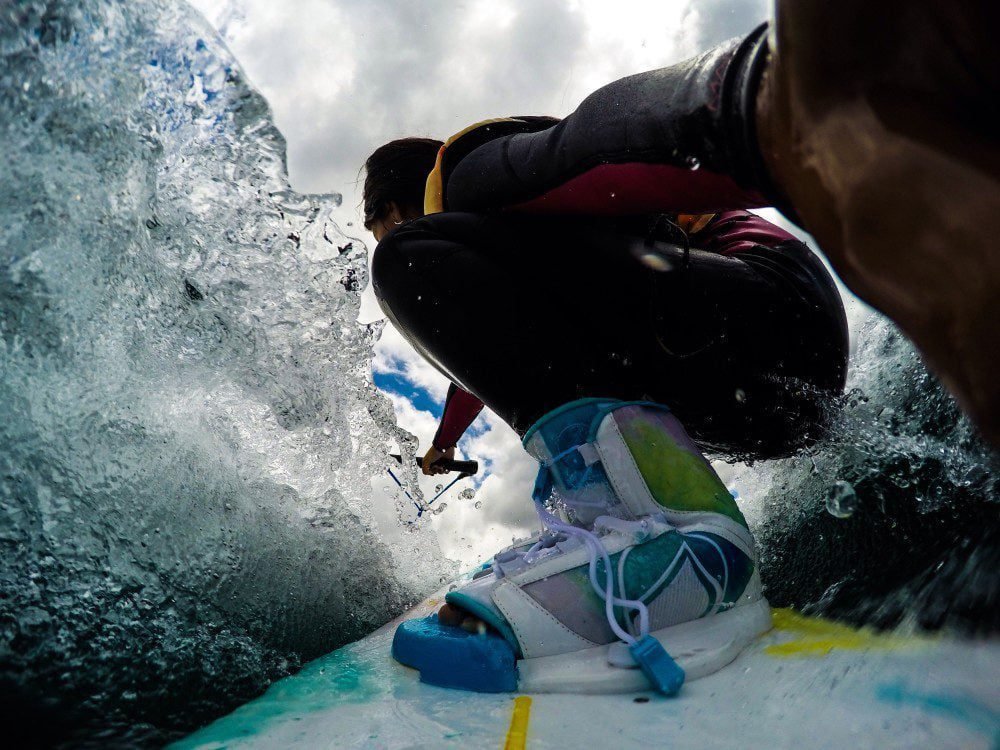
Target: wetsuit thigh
528, 314
764, 334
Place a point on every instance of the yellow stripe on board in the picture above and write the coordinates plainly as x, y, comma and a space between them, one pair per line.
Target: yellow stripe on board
517, 735
818, 636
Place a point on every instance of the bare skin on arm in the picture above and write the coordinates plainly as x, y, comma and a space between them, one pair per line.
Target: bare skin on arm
880, 121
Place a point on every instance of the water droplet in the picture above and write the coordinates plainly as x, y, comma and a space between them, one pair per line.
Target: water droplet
467, 494
655, 261
841, 500
438, 487
479, 504
692, 163
741, 395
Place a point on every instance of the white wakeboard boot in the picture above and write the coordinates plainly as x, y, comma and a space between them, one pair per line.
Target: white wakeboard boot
646, 571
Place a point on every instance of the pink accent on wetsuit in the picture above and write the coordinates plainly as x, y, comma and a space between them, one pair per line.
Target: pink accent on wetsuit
637, 188
460, 410
731, 232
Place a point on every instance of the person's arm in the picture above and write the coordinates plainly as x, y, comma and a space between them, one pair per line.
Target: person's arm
676, 140
460, 411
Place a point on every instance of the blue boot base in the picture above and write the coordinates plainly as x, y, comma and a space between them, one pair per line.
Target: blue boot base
450, 657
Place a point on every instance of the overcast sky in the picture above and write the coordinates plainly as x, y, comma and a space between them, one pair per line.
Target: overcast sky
345, 76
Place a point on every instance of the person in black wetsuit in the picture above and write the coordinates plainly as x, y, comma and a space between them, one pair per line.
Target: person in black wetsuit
883, 147
644, 279
724, 317
873, 127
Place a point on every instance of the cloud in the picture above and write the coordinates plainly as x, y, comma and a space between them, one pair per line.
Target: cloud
472, 530
344, 77
394, 355
714, 21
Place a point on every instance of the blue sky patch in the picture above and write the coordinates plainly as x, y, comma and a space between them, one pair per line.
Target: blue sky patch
395, 383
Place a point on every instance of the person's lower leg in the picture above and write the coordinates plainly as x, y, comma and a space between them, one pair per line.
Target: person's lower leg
619, 466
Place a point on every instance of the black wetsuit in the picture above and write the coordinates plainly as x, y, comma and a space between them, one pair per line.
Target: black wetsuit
530, 313
745, 337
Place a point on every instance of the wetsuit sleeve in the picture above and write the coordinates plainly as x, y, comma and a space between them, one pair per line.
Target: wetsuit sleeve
460, 410
678, 139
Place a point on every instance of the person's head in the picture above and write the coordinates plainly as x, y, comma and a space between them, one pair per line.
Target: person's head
395, 177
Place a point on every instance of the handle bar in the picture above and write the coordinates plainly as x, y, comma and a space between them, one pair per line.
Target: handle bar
468, 468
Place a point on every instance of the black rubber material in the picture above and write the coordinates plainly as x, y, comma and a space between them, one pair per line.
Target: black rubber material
528, 314
463, 467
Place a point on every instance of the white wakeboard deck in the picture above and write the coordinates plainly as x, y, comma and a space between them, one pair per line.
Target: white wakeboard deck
806, 684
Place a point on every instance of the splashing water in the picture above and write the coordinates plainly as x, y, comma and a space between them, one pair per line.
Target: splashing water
915, 539
188, 428
841, 500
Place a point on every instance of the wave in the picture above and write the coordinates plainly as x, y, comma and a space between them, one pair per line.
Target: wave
891, 519
188, 427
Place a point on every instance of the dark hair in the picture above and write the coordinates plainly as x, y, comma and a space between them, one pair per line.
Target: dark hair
397, 173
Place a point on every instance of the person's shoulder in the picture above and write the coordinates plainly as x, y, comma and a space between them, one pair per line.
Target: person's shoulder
468, 140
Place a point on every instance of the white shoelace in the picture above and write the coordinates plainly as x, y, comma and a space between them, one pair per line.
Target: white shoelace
595, 547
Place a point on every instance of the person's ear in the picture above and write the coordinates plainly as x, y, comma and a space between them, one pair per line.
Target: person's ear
394, 217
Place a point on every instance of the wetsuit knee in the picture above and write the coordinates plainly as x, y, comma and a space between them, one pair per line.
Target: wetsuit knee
399, 281
403, 260
428, 276
389, 270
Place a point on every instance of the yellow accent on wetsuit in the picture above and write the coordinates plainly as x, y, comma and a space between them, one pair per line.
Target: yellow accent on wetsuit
434, 192
692, 223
